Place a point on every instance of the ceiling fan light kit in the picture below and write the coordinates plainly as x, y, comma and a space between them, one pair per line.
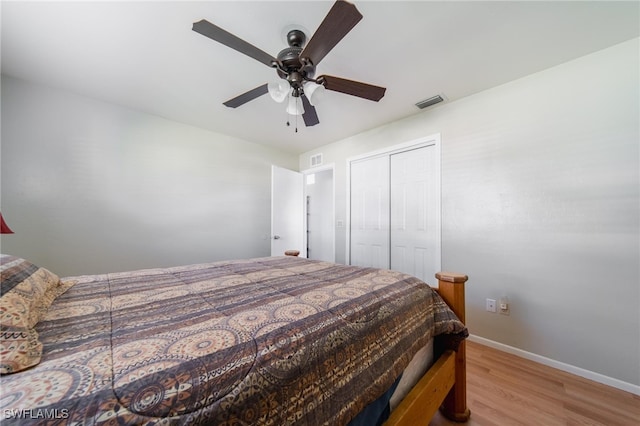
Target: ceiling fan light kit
314, 92
278, 90
296, 64
294, 106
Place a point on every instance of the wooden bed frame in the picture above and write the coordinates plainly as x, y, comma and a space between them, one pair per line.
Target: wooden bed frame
444, 384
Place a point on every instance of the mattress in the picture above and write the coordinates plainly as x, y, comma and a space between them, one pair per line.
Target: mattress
419, 364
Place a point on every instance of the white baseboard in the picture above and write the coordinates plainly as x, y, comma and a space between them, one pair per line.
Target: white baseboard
596, 377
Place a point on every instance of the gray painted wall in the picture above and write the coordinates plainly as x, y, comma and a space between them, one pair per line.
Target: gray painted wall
540, 202
91, 187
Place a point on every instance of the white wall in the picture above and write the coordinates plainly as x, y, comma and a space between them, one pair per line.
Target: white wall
92, 187
540, 202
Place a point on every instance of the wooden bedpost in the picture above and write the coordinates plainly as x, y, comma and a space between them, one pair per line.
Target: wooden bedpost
451, 289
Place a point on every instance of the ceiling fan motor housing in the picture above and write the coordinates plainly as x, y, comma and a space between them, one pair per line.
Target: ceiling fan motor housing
290, 60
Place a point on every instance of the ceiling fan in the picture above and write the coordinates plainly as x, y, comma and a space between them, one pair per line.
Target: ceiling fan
297, 63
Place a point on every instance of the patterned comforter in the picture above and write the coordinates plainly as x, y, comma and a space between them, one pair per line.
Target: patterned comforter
272, 341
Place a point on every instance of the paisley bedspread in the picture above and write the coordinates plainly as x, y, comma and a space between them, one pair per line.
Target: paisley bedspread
269, 341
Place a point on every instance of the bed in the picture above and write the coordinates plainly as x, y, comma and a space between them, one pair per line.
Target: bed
269, 341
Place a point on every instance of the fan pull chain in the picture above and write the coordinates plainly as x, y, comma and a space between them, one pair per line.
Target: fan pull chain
289, 123
298, 101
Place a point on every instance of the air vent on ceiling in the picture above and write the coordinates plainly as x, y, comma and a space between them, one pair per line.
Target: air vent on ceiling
316, 160
431, 101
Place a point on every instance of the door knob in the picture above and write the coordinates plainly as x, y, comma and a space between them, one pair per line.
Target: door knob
276, 237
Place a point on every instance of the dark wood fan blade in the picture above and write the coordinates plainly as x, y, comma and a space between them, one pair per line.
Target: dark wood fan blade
354, 88
216, 33
310, 116
247, 96
339, 21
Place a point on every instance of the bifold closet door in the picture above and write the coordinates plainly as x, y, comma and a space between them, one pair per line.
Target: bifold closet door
415, 227
369, 239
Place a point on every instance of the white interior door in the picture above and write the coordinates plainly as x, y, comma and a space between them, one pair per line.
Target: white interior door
287, 211
415, 213
369, 188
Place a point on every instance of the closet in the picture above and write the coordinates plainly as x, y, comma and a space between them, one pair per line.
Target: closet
394, 209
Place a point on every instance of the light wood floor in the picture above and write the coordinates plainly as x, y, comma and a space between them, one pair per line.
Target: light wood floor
503, 389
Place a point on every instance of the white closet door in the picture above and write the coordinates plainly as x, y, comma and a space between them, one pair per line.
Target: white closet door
370, 212
415, 213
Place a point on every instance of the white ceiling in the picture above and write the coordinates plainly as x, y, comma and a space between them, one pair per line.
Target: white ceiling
144, 55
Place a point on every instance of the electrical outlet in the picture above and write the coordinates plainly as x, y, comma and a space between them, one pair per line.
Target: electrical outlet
491, 305
503, 304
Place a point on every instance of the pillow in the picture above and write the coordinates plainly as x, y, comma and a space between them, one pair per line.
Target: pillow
26, 292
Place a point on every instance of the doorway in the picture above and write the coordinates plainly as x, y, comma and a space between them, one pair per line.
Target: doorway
303, 212
319, 208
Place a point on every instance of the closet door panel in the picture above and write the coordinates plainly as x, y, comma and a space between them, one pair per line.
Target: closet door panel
414, 236
370, 212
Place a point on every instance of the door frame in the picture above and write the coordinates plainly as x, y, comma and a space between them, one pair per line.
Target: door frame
332, 210
429, 140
